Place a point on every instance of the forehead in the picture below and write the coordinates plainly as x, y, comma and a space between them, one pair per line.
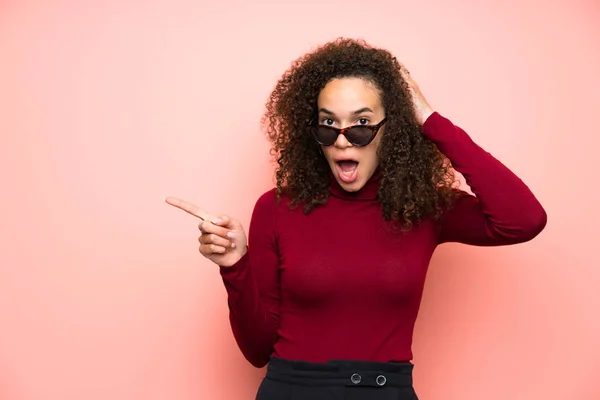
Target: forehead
345, 95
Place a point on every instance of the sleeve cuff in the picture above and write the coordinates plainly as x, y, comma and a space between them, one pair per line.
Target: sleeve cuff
436, 127
236, 268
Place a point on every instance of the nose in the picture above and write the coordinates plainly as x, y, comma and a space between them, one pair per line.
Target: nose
341, 142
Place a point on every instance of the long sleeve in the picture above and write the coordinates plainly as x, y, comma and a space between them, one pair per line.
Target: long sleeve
252, 286
503, 211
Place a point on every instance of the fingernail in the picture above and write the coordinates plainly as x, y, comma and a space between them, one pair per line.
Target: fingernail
231, 235
233, 245
216, 220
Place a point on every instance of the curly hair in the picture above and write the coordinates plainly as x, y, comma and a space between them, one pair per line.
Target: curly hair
416, 179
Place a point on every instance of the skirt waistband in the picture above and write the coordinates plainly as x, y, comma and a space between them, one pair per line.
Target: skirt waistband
340, 372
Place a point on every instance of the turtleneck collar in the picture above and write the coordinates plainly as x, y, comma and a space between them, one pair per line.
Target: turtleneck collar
366, 193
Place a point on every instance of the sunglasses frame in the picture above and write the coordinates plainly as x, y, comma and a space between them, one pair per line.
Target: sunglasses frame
342, 131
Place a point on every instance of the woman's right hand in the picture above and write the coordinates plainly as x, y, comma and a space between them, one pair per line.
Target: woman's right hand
222, 239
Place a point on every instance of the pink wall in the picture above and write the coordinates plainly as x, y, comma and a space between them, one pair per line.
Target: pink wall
107, 107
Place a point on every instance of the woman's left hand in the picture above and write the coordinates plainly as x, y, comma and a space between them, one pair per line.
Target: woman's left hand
421, 107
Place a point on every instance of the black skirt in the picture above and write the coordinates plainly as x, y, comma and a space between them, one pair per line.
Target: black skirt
336, 380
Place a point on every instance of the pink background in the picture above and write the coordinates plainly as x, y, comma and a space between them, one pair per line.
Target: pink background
107, 107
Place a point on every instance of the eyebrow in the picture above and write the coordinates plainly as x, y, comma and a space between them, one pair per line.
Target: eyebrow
360, 111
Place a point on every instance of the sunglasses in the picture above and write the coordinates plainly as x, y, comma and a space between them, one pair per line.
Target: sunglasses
358, 135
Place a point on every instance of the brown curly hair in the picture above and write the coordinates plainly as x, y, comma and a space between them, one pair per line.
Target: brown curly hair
417, 180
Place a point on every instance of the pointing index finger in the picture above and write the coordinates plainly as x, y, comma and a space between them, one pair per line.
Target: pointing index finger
187, 207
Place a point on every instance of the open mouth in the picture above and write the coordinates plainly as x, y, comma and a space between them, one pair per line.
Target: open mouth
347, 170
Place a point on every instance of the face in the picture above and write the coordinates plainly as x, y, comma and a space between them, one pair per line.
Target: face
343, 103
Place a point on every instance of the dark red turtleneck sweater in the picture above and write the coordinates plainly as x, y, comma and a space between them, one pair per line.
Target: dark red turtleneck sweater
338, 284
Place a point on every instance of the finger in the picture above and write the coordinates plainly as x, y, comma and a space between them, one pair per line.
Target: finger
214, 239
403, 68
207, 227
187, 207
406, 74
209, 249
221, 220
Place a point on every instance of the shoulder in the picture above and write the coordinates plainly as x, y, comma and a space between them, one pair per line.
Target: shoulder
270, 199
268, 211
270, 196
268, 202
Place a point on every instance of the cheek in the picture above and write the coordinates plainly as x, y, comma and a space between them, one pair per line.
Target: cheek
327, 152
372, 151
370, 156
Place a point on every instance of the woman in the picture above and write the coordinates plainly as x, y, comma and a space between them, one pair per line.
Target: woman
328, 291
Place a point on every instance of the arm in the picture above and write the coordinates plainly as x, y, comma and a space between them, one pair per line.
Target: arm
252, 286
503, 211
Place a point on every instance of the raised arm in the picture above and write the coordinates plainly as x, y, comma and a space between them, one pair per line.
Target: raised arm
503, 211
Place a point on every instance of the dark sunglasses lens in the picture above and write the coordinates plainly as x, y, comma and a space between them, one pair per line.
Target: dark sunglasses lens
359, 136
325, 135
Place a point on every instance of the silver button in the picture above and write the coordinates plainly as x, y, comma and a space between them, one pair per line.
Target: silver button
355, 378
380, 380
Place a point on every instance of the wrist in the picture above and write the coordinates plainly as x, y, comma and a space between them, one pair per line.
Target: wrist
235, 261
425, 114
